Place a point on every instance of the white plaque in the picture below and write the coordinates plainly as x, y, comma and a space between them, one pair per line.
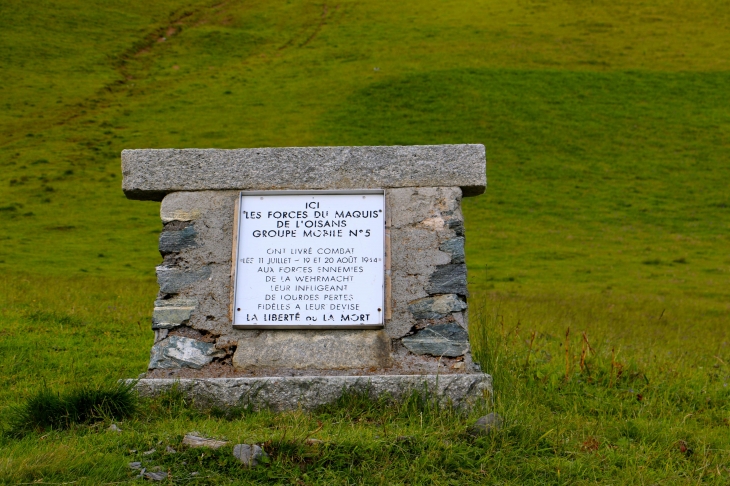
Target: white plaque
309, 259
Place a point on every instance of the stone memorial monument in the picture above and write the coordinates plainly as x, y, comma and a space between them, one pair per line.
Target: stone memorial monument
290, 275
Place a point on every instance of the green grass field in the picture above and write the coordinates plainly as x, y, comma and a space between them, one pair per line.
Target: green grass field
607, 129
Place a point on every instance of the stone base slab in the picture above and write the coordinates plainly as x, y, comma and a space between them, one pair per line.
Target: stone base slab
308, 392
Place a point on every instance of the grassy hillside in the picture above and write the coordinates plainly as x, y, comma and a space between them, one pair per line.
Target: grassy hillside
607, 129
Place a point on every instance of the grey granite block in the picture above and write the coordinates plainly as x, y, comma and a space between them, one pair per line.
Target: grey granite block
314, 349
309, 392
149, 174
449, 340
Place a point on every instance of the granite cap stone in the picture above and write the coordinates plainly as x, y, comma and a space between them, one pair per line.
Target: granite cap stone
150, 174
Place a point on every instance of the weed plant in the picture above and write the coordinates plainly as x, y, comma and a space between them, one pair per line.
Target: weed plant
48, 410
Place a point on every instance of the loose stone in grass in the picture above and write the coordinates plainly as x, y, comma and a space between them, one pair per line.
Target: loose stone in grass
114, 428
135, 465
170, 450
485, 425
194, 440
155, 476
149, 452
249, 455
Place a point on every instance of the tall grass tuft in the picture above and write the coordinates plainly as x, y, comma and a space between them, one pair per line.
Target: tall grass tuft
52, 410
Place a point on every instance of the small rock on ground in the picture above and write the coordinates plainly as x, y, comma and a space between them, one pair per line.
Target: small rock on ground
194, 440
149, 452
170, 450
135, 465
155, 476
114, 428
249, 455
486, 424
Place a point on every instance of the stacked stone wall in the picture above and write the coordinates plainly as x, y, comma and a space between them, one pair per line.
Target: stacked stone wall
428, 327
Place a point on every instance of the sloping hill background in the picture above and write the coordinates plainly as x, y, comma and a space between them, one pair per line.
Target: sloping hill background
606, 124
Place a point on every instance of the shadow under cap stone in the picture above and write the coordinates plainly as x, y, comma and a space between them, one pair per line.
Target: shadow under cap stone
448, 279
450, 340
150, 174
177, 240
436, 307
455, 248
182, 352
172, 280
172, 312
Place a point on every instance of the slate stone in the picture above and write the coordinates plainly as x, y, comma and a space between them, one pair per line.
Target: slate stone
455, 248
182, 352
282, 393
170, 313
150, 174
172, 280
249, 455
177, 240
436, 307
457, 226
448, 279
450, 340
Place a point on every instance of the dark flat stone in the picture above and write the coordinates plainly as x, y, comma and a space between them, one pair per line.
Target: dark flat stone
172, 280
177, 240
448, 279
457, 226
436, 307
450, 340
173, 312
455, 248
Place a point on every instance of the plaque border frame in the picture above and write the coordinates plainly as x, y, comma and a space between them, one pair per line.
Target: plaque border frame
386, 313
